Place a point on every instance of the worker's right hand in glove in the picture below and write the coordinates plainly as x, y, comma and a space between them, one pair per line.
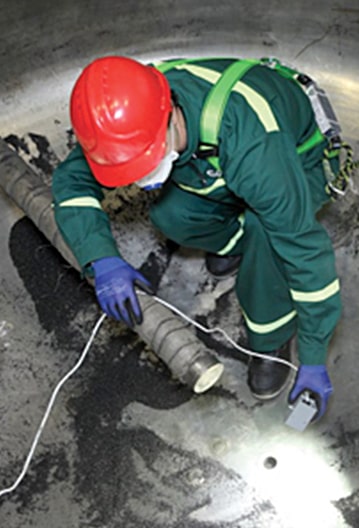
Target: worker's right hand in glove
115, 282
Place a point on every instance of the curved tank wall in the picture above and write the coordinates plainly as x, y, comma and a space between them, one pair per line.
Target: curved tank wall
126, 444
45, 45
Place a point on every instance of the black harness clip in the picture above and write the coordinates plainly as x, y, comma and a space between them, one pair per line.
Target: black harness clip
206, 150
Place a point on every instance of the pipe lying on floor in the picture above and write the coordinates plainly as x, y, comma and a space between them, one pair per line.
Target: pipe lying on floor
167, 335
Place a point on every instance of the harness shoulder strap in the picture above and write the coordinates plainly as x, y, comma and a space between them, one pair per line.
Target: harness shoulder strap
216, 100
215, 103
214, 107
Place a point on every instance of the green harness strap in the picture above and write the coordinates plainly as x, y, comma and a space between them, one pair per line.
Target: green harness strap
215, 104
216, 100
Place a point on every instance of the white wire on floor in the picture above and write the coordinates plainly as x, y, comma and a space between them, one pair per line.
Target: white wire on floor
82, 359
50, 406
218, 330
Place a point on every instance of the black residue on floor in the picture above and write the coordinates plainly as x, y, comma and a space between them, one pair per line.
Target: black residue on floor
346, 444
349, 508
157, 262
71, 139
117, 463
133, 472
46, 159
217, 342
58, 293
45, 469
41, 155
56, 288
19, 144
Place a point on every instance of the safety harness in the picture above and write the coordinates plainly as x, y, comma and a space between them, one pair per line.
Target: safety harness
328, 128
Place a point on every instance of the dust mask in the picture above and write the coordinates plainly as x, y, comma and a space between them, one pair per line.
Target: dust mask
159, 175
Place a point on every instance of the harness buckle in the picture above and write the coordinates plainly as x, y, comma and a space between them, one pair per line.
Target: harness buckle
206, 150
338, 184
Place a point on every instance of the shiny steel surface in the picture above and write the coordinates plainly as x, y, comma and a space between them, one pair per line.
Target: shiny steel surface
127, 446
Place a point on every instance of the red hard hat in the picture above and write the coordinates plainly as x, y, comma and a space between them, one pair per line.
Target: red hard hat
119, 112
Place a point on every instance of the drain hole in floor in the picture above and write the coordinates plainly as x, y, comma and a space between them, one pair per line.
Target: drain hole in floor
270, 462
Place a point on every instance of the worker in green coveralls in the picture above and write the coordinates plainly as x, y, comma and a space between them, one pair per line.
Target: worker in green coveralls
236, 150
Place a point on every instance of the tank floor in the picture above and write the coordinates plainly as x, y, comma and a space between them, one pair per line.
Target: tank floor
128, 446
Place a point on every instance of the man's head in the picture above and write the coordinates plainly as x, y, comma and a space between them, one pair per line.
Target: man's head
120, 112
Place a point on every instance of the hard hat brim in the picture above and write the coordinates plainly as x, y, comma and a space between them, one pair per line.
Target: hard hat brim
131, 171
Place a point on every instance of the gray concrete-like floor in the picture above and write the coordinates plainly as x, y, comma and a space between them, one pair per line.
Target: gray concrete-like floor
126, 445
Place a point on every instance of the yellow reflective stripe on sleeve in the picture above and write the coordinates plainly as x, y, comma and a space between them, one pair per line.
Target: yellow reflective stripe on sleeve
268, 327
318, 295
220, 182
83, 201
233, 241
204, 73
258, 104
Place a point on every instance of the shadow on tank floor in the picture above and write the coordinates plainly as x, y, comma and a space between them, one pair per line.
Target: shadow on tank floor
126, 445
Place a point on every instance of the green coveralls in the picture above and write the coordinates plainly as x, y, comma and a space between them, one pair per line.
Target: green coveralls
263, 205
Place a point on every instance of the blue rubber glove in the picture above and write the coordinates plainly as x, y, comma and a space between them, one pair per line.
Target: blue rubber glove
115, 282
315, 379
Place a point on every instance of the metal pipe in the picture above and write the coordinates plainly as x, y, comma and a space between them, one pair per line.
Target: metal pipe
177, 346
168, 336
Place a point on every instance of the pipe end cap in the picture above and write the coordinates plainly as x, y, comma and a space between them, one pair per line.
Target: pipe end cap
208, 378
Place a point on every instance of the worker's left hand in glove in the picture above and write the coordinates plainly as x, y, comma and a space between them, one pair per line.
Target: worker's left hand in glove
315, 379
115, 282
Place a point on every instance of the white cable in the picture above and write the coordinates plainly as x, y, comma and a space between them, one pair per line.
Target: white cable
224, 334
50, 406
82, 359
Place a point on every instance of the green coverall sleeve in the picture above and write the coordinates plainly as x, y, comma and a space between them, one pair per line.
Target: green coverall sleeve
269, 176
82, 222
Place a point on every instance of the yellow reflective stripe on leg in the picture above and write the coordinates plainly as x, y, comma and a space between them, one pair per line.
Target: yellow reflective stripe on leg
268, 327
83, 201
233, 241
318, 295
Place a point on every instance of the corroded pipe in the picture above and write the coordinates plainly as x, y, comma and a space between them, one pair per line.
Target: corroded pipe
167, 335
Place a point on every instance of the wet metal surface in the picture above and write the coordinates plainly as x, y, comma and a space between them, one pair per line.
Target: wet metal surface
127, 446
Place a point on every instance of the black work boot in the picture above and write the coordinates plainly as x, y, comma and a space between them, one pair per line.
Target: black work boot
222, 267
266, 378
